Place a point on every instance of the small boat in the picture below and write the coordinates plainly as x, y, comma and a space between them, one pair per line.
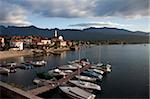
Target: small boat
76, 92
40, 81
99, 64
84, 84
105, 68
55, 52
77, 65
38, 63
92, 74
4, 71
97, 71
67, 67
67, 71
85, 78
11, 64
57, 72
75, 61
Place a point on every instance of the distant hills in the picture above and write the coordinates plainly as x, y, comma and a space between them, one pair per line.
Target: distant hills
85, 34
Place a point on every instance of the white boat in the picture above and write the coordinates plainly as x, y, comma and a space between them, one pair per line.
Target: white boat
86, 78
99, 64
97, 71
85, 84
39, 63
4, 70
77, 65
67, 71
75, 92
57, 72
42, 81
108, 66
75, 61
67, 67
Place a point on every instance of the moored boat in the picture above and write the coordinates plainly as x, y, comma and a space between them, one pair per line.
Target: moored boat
92, 74
4, 71
75, 92
38, 63
84, 84
67, 67
85, 78
97, 71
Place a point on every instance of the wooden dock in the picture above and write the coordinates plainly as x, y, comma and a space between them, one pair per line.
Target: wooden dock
61, 81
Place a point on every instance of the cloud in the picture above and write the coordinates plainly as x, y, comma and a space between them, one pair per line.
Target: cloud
16, 12
122, 8
12, 15
85, 8
99, 24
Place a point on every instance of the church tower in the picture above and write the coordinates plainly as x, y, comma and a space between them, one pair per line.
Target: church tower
55, 35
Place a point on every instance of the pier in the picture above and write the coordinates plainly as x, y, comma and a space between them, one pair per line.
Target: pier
15, 93
55, 84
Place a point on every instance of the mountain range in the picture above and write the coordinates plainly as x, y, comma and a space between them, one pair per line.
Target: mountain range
91, 33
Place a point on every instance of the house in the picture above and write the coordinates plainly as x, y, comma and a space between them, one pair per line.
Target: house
45, 42
17, 45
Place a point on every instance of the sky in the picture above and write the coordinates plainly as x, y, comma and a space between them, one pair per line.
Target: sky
76, 14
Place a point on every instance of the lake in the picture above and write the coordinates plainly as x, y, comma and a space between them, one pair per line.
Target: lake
129, 77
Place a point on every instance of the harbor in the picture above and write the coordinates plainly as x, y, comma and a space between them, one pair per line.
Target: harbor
53, 88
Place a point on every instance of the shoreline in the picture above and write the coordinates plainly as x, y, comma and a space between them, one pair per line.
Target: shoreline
9, 54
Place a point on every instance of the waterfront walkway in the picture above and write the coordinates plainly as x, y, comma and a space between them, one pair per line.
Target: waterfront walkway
55, 84
15, 93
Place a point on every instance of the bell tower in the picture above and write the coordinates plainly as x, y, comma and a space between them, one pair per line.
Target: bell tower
55, 34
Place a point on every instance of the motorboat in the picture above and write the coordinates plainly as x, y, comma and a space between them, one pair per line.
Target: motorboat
75, 61
97, 71
67, 67
76, 92
85, 78
92, 74
77, 65
105, 68
4, 71
84, 84
38, 63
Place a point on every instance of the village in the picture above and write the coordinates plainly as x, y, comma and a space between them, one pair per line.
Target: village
35, 44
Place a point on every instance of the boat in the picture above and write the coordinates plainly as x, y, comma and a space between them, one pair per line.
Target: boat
11, 64
86, 85
39, 81
57, 72
97, 71
67, 67
77, 65
105, 68
4, 71
76, 92
55, 52
67, 71
75, 61
92, 74
38, 63
85, 78
13, 70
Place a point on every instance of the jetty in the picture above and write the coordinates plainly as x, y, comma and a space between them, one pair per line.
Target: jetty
57, 83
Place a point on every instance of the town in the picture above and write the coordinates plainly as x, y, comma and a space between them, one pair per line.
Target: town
35, 44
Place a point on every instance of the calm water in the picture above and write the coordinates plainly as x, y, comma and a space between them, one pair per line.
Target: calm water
129, 77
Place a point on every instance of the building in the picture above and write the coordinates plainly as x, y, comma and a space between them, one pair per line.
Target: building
45, 42
17, 45
58, 40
